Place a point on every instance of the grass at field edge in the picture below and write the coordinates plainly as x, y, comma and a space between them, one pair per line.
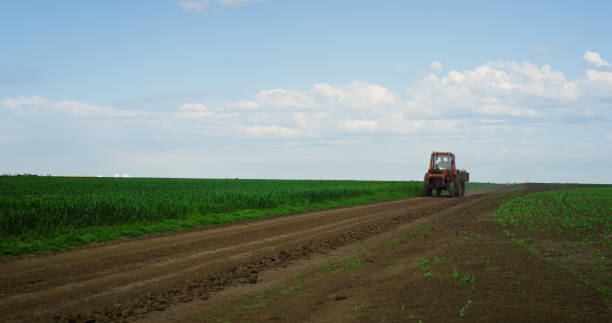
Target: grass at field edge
65, 238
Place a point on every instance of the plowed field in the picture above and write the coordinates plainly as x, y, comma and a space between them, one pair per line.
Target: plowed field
430, 259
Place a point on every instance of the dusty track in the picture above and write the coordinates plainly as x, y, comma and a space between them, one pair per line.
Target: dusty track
127, 280
383, 279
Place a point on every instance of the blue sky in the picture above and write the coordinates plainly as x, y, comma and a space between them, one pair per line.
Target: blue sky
520, 91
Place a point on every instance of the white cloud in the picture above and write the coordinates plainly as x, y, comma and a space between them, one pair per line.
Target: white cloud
361, 140
436, 66
300, 119
270, 131
502, 88
599, 77
193, 110
192, 5
234, 3
320, 115
360, 125
508, 152
398, 124
17, 103
244, 104
506, 110
354, 94
193, 107
284, 98
495, 97
204, 5
595, 58
88, 110
24, 104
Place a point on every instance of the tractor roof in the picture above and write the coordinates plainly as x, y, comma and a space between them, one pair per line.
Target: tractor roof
442, 153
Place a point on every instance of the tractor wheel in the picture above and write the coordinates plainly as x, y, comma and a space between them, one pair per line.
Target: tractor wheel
457, 189
425, 189
438, 191
459, 183
462, 188
452, 190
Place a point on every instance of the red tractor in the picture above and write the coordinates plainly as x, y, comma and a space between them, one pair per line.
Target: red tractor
442, 175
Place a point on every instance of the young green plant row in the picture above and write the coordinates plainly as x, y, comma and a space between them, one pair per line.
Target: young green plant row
571, 228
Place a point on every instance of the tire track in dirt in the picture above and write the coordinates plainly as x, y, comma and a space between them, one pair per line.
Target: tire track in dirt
134, 254
413, 271
128, 280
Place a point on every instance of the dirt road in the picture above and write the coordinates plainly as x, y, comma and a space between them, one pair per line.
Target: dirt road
184, 276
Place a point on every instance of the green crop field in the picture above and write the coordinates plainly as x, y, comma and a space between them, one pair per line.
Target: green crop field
571, 228
475, 185
51, 213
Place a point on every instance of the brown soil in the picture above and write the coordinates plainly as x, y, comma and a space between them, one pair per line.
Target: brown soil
347, 264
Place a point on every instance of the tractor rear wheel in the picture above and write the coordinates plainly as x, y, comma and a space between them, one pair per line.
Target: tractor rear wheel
462, 188
452, 189
457, 186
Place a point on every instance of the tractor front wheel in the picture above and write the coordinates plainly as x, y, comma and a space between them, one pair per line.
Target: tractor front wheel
425, 188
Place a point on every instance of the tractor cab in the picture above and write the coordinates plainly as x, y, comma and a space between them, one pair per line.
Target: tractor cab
442, 162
